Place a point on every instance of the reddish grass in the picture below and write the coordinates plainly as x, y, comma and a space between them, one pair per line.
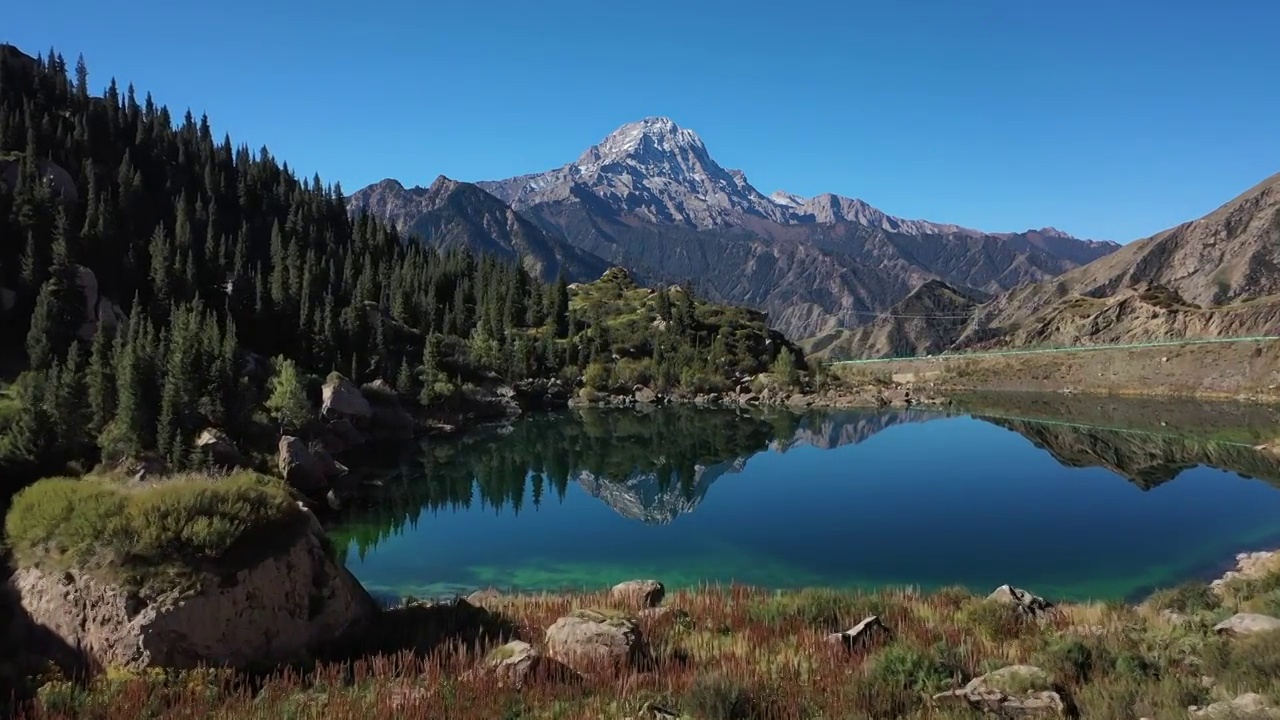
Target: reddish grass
741, 653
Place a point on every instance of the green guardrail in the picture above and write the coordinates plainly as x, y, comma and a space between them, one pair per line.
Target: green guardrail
1077, 348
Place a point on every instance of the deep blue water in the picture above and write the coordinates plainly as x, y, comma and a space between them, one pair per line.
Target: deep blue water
843, 499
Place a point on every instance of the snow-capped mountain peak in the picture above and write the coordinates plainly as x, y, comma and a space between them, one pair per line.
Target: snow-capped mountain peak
786, 199
653, 169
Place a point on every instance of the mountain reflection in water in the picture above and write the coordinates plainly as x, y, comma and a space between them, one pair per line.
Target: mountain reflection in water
654, 467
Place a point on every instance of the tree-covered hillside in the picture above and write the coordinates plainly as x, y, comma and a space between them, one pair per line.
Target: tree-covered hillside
153, 278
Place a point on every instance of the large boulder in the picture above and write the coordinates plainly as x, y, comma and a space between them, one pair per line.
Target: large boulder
1030, 604
98, 312
1247, 624
639, 593
588, 640
518, 664
298, 466
56, 177
645, 396
342, 399
1013, 691
280, 609
219, 448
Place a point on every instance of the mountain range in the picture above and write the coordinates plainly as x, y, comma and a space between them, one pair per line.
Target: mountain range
651, 198
1217, 276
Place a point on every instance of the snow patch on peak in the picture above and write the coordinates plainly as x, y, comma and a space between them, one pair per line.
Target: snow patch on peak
786, 199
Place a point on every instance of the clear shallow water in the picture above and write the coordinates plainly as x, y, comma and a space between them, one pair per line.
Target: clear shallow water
844, 499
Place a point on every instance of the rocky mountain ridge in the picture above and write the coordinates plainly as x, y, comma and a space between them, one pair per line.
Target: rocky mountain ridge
1217, 276
451, 214
649, 197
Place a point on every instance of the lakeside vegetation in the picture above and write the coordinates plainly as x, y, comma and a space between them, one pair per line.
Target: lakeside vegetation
735, 653
158, 269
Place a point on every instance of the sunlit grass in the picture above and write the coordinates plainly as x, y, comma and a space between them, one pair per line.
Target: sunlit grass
747, 653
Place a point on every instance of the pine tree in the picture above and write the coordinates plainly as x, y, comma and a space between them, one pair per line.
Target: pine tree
430, 370
404, 378
287, 401
100, 385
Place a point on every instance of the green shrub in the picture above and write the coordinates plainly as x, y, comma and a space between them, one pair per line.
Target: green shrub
993, 620
183, 519
64, 515
1191, 597
817, 608
900, 666
716, 697
1072, 660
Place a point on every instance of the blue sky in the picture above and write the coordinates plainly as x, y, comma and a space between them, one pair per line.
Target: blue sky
1109, 119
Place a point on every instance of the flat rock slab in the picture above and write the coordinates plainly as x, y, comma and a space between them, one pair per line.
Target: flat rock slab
1250, 705
1247, 623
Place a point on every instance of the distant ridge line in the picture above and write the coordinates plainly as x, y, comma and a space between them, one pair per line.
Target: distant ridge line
1075, 348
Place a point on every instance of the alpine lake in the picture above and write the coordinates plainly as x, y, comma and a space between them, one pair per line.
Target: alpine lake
1074, 498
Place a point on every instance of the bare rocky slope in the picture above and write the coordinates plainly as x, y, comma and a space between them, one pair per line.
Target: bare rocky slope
1218, 276
650, 198
929, 320
452, 214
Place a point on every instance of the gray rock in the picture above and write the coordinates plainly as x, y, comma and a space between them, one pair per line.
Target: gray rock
1246, 624
643, 593
864, 633
1013, 691
484, 598
518, 664
645, 396
219, 447
1031, 605
280, 609
298, 466
665, 614
342, 399
588, 640
1250, 706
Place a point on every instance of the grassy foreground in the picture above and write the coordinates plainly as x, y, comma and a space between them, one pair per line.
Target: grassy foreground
745, 653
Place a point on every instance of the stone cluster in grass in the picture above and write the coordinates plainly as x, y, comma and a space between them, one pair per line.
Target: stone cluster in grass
640, 651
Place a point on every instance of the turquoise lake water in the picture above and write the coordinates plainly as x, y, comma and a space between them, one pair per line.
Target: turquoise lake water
845, 499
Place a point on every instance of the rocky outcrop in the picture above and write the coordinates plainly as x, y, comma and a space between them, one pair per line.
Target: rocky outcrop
341, 399
52, 174
299, 466
280, 609
589, 640
639, 593
870, 630
1249, 565
518, 664
645, 396
1250, 705
1031, 605
1247, 624
1013, 691
219, 448
99, 312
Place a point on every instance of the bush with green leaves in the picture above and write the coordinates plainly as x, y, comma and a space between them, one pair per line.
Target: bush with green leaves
187, 519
